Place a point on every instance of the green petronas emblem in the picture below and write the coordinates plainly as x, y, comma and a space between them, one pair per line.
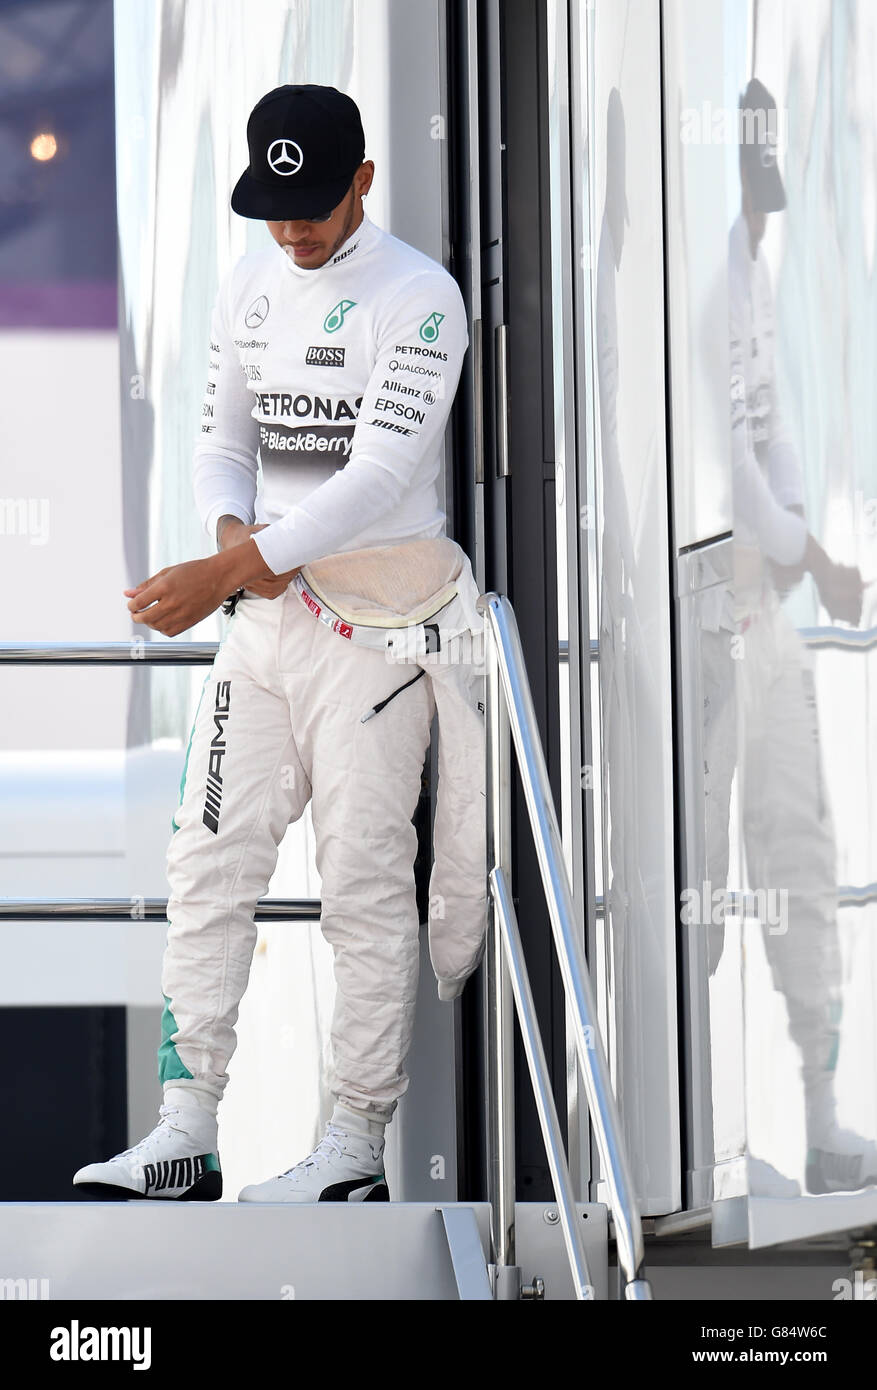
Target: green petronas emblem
335, 317
429, 329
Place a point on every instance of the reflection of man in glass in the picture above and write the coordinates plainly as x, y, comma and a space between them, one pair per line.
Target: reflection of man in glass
630, 699
788, 832
616, 546
622, 754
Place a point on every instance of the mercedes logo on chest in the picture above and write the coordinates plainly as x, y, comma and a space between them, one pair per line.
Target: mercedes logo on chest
257, 312
284, 157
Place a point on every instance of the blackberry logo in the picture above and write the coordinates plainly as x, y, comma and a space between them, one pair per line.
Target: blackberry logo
213, 799
325, 357
173, 1173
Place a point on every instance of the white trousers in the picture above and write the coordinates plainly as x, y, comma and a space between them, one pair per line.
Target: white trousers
278, 725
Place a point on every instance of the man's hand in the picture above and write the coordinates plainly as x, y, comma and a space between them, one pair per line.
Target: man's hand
840, 591
178, 597
840, 586
234, 533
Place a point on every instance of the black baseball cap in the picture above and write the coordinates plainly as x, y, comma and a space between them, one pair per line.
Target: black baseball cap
306, 143
758, 132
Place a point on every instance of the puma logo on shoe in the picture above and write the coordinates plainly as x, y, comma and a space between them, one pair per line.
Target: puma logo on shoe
173, 1173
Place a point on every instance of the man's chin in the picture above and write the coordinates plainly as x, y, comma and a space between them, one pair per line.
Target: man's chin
312, 262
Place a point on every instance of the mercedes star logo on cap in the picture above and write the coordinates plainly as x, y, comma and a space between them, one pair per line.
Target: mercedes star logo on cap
285, 157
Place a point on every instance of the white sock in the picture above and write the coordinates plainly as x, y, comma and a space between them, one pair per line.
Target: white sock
188, 1096
357, 1122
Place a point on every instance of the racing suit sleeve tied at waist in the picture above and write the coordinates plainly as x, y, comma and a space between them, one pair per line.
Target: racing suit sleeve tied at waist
417, 601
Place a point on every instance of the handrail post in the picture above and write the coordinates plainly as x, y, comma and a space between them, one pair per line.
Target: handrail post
507, 665
499, 1010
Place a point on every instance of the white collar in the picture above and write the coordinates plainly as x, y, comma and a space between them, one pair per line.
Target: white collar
356, 245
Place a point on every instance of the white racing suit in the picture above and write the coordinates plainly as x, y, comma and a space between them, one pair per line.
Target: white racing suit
292, 712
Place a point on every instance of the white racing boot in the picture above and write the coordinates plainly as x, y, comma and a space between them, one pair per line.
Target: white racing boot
346, 1166
178, 1161
842, 1161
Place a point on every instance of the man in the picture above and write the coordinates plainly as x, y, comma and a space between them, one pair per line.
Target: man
334, 358
787, 824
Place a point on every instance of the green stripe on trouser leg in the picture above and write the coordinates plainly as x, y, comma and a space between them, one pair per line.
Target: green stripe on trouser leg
170, 1068
174, 825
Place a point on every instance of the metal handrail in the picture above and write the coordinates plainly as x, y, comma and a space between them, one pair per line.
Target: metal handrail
136, 909
132, 653
509, 706
535, 1054
175, 653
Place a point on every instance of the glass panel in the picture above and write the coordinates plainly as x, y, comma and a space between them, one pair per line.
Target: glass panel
772, 204
618, 279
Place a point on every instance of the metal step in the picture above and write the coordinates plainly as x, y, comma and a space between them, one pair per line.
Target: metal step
228, 1250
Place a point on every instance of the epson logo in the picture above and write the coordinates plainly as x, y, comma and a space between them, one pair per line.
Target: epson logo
408, 412
325, 357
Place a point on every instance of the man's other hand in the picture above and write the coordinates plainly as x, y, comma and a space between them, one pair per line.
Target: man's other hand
235, 533
840, 590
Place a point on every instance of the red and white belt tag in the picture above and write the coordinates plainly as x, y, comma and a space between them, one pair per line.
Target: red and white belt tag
402, 643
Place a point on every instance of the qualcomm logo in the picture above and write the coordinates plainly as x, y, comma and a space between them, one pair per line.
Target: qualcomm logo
335, 317
284, 157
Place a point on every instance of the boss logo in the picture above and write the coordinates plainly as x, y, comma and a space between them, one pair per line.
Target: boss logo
325, 357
